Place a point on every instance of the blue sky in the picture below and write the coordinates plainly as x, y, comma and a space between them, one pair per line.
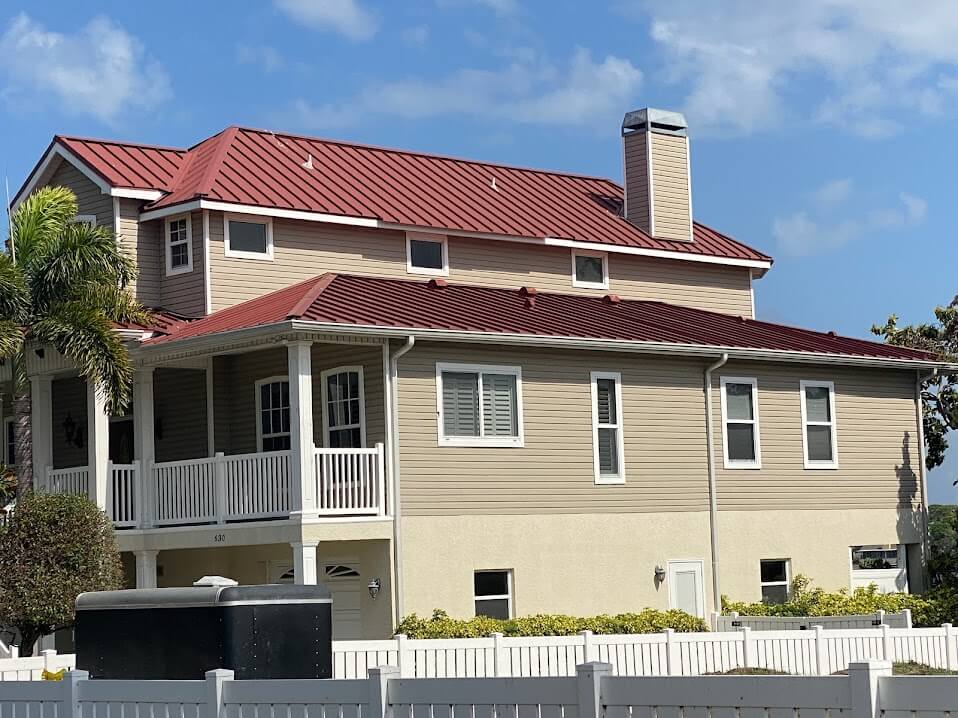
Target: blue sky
821, 131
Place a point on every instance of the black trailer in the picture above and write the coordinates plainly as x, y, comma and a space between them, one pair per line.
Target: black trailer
268, 631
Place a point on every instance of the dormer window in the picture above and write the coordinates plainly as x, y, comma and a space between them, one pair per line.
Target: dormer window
427, 254
590, 270
179, 245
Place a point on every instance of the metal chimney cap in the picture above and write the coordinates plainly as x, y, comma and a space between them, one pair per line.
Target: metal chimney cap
651, 118
215, 581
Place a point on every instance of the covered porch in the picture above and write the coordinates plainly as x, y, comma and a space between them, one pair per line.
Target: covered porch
285, 429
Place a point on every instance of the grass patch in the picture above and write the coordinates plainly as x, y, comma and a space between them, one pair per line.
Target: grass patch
749, 672
920, 669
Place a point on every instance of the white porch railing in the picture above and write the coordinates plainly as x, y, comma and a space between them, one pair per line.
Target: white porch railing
350, 481
184, 492
256, 486
74, 480
123, 494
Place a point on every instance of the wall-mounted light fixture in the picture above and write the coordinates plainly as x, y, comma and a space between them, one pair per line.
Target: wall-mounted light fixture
40, 352
374, 587
659, 574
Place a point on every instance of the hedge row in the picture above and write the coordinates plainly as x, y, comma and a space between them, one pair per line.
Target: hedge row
440, 625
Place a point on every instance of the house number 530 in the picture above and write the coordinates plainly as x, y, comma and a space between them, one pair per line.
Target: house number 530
219, 538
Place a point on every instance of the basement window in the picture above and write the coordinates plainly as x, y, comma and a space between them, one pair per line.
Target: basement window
427, 254
493, 594
590, 270
774, 580
248, 236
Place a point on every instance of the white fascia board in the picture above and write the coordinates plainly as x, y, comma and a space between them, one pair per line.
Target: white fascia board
151, 195
220, 342
58, 150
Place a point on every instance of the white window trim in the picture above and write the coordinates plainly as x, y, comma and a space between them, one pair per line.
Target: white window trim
756, 463
324, 395
497, 597
441, 239
481, 440
7, 422
604, 256
188, 267
85, 219
259, 410
251, 219
830, 385
620, 441
788, 575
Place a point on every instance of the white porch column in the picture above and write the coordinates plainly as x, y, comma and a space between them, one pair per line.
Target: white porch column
145, 568
144, 449
301, 427
41, 407
304, 562
98, 445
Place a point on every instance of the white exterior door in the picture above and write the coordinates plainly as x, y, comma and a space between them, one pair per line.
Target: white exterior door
686, 587
343, 582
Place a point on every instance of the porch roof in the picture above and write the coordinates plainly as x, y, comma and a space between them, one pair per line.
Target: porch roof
438, 308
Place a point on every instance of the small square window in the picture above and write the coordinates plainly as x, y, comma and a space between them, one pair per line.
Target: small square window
590, 270
774, 580
493, 593
427, 255
248, 237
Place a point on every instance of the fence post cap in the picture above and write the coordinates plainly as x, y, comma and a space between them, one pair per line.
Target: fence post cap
223, 674
871, 664
668, 631
385, 671
586, 632
593, 667
76, 674
48, 652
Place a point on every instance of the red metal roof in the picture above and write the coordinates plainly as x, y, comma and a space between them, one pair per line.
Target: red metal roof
266, 169
365, 301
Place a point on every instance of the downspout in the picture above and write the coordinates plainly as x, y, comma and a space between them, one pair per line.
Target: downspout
923, 472
392, 464
713, 497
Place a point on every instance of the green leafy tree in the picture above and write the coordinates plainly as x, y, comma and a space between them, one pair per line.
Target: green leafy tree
940, 393
53, 548
63, 284
943, 545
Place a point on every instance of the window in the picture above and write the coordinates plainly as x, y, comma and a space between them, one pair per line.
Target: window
10, 442
493, 593
272, 408
877, 558
343, 409
427, 254
818, 421
248, 236
740, 423
479, 405
590, 270
607, 442
774, 580
179, 245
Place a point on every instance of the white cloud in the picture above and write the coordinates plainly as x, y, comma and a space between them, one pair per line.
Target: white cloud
801, 235
416, 36
876, 65
346, 17
100, 70
268, 58
529, 90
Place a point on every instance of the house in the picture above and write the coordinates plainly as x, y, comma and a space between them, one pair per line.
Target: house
435, 382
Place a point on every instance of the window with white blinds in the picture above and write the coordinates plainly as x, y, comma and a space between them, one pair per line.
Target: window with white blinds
818, 419
607, 441
479, 405
740, 430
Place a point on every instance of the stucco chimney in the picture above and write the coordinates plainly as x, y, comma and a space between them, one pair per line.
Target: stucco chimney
658, 188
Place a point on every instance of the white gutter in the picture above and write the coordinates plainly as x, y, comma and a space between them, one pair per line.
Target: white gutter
923, 472
392, 463
713, 497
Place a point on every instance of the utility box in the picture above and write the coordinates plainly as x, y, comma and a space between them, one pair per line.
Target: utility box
268, 631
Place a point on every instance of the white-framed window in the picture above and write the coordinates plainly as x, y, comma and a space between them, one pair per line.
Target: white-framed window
607, 442
492, 592
179, 245
427, 254
9, 442
344, 411
740, 430
819, 435
85, 219
248, 236
774, 575
479, 405
272, 414
590, 270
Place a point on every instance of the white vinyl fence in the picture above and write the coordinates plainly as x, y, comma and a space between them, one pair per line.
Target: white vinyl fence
868, 691
31, 669
734, 621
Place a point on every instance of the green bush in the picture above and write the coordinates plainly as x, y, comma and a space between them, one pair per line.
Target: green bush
440, 625
808, 601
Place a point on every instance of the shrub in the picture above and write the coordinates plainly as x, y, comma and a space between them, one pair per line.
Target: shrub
440, 625
53, 548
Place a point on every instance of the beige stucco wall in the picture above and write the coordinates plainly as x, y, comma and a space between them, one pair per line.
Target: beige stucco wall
307, 249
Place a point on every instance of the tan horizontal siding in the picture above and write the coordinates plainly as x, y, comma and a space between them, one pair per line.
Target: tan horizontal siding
637, 179
179, 401
307, 249
330, 356
90, 199
142, 242
553, 471
184, 293
670, 187
877, 434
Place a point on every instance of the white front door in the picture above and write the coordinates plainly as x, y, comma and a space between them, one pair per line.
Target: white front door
343, 582
686, 587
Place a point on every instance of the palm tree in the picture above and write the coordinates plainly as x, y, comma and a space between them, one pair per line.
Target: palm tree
64, 284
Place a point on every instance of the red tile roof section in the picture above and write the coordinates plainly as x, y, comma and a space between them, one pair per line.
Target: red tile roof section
266, 169
412, 305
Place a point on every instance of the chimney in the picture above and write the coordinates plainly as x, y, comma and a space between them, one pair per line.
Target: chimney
658, 188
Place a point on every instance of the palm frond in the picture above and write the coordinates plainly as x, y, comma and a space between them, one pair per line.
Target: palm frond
11, 337
39, 219
118, 304
85, 334
14, 295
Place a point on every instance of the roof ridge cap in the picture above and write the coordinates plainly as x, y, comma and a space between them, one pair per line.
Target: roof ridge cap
311, 295
223, 144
